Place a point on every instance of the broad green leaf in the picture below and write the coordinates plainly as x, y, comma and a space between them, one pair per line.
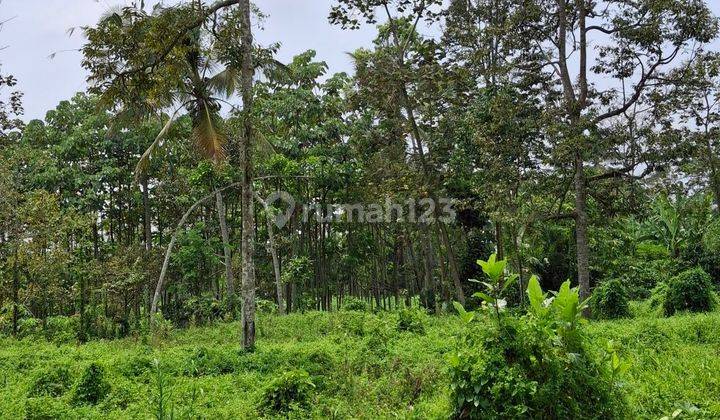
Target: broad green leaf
493, 268
535, 295
484, 297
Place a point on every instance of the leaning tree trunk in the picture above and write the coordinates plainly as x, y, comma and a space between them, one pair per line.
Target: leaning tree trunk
247, 209
229, 274
173, 239
581, 227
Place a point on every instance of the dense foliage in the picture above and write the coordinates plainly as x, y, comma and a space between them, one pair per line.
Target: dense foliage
690, 290
202, 373
610, 300
199, 184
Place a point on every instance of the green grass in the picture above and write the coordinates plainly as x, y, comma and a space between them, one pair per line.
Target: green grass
360, 364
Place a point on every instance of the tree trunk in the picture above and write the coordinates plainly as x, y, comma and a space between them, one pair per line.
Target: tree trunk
229, 274
173, 239
16, 286
713, 164
428, 288
247, 209
276, 261
147, 231
452, 262
581, 227
499, 241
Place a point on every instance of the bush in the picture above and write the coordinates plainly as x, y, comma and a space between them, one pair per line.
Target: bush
265, 306
52, 382
136, 366
354, 304
289, 391
411, 320
658, 295
92, 387
45, 408
62, 329
610, 300
640, 277
535, 366
201, 310
353, 322
691, 291
206, 361
520, 372
29, 328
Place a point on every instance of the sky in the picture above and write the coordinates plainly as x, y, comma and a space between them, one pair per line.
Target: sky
39, 28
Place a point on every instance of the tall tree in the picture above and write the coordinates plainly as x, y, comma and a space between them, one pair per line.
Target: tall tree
636, 42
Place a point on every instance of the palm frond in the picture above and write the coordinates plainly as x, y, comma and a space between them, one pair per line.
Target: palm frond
207, 132
144, 161
263, 145
224, 82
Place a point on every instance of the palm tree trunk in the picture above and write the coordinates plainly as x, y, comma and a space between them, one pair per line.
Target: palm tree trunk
247, 209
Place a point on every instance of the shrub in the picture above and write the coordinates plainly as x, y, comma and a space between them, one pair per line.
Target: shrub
521, 372
610, 300
45, 408
691, 291
648, 251
640, 277
201, 310
52, 382
658, 295
62, 329
29, 328
206, 361
535, 366
354, 304
136, 366
93, 386
411, 320
161, 328
317, 361
353, 322
265, 306
289, 391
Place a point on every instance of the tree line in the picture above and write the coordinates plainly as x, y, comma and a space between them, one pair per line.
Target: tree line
551, 124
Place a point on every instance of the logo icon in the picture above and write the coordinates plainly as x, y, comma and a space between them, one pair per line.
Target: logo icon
285, 198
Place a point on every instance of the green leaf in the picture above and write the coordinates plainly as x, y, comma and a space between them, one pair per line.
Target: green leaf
567, 303
465, 316
484, 297
535, 295
493, 268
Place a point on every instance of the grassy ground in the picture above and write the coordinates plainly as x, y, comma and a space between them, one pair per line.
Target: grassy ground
361, 366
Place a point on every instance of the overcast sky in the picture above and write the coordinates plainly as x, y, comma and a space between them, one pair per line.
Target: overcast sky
39, 28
